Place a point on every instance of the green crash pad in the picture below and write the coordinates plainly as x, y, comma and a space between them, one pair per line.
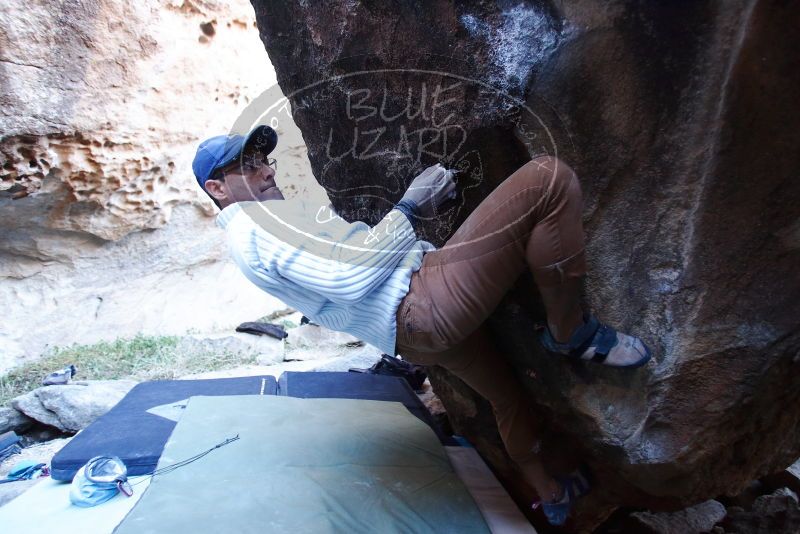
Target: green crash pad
304, 465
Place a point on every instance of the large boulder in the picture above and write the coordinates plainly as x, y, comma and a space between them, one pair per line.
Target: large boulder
679, 120
74, 406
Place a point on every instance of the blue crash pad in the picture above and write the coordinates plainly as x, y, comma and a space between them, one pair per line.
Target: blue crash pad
138, 437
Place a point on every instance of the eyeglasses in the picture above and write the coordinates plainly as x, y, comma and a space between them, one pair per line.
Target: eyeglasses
253, 164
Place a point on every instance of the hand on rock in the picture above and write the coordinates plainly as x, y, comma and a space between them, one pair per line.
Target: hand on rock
430, 189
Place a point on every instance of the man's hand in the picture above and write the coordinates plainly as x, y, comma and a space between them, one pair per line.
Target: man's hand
431, 189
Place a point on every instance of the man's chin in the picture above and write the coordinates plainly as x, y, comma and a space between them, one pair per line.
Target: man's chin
273, 193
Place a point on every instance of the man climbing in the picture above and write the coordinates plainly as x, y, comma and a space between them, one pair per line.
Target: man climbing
404, 296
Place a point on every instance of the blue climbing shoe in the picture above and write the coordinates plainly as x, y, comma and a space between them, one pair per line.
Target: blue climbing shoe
594, 341
575, 485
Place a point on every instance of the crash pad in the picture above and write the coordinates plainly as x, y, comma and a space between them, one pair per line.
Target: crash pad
45, 508
304, 465
137, 428
344, 385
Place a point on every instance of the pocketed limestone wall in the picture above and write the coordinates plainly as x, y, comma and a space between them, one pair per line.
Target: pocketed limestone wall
103, 231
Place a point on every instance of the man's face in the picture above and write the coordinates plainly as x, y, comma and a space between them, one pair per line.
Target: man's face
249, 178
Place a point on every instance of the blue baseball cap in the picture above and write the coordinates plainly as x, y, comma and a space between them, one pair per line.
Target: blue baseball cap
223, 150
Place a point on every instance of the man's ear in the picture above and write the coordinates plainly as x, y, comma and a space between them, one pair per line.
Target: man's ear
216, 190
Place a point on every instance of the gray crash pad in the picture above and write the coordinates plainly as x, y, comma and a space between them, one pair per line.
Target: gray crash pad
304, 465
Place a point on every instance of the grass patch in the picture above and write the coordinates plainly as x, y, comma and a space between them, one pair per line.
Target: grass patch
140, 358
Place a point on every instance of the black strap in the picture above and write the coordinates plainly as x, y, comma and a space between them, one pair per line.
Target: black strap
602, 339
606, 338
587, 332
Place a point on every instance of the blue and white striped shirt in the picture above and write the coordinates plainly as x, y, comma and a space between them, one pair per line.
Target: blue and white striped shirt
345, 276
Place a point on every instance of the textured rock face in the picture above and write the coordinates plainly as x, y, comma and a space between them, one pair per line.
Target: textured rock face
11, 419
314, 342
74, 406
265, 349
103, 231
699, 518
777, 513
677, 119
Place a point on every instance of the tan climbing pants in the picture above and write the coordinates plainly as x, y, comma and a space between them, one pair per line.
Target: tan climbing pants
532, 220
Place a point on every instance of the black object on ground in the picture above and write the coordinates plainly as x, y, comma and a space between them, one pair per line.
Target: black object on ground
342, 385
9, 444
260, 329
390, 366
138, 437
306, 320
61, 377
